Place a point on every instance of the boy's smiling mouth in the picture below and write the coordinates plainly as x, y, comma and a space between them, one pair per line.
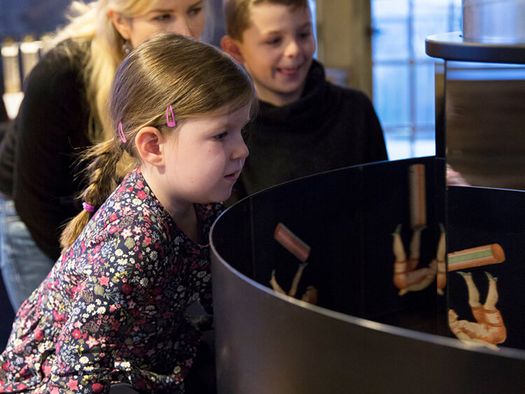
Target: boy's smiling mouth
289, 71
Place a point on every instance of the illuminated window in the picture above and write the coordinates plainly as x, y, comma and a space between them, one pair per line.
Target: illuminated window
403, 75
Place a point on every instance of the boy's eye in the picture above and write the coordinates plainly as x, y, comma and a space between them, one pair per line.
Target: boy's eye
305, 34
273, 41
220, 136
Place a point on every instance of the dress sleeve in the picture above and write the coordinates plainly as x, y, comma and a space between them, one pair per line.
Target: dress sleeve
205, 292
204, 278
108, 320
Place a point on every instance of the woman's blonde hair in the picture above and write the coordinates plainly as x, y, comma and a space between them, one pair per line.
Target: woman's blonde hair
167, 73
90, 23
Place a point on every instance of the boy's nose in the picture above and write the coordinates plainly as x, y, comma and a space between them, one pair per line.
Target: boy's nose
292, 48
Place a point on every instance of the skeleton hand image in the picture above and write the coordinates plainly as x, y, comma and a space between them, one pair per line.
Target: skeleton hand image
407, 277
310, 295
489, 329
301, 250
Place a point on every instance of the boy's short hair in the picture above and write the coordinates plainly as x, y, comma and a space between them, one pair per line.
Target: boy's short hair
237, 13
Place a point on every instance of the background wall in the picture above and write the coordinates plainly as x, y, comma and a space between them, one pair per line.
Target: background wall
21, 17
376, 46
344, 40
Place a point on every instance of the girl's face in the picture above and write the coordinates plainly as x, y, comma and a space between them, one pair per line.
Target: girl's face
183, 17
203, 158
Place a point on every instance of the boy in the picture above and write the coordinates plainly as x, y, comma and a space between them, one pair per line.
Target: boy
305, 125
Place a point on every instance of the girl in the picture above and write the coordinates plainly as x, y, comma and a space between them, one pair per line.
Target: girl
111, 310
63, 113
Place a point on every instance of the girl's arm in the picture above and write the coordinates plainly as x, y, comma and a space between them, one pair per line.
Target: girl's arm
107, 317
121, 314
88, 342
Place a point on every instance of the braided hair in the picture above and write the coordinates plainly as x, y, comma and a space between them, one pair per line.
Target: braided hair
189, 77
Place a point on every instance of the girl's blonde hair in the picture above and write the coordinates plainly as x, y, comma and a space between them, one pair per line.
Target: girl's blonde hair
90, 23
168, 72
237, 13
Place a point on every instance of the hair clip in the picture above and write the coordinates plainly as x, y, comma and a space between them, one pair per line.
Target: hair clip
120, 133
88, 207
170, 117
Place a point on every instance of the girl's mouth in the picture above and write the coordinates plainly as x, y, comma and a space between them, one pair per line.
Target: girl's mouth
232, 177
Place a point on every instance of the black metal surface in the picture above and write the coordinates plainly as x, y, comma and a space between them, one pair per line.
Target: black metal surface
269, 343
347, 217
451, 46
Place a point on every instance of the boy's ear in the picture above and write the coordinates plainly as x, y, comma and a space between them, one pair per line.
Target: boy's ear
148, 142
232, 48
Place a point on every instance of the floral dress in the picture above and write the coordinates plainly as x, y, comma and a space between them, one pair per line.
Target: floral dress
112, 309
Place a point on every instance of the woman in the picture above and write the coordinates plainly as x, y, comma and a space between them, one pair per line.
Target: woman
63, 113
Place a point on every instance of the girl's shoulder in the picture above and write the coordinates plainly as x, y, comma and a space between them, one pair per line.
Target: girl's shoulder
134, 203
126, 225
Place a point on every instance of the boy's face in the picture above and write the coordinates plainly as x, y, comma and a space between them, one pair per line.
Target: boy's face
277, 50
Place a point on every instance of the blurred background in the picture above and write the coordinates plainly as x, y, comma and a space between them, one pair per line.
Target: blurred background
374, 45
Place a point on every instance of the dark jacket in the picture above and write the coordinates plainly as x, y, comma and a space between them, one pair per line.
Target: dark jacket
329, 127
49, 134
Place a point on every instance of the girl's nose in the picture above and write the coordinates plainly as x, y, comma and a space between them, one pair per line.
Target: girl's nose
241, 150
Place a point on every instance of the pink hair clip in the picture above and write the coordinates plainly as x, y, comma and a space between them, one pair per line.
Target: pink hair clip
120, 133
88, 207
170, 117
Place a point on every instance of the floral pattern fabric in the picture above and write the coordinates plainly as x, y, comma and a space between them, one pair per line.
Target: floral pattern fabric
112, 309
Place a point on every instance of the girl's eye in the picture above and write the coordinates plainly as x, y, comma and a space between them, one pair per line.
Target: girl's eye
221, 136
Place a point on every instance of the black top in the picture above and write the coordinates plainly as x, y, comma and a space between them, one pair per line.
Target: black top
4, 126
50, 131
3, 112
329, 127
7, 157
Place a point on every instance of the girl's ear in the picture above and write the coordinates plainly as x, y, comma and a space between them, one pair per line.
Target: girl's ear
232, 48
148, 142
120, 23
